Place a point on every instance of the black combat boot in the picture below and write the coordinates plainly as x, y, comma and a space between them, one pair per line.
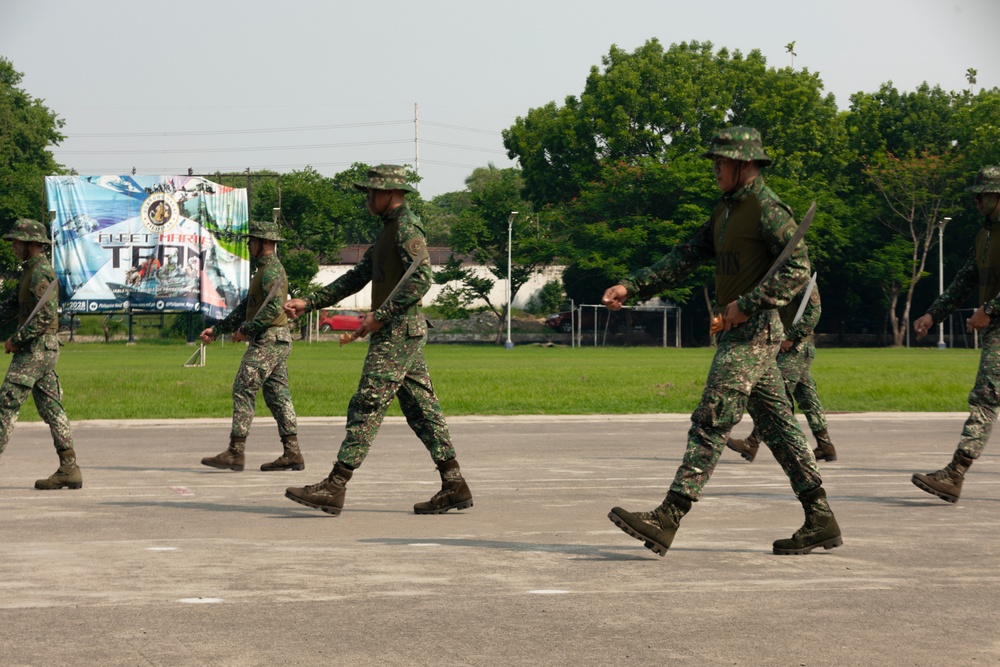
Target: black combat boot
746, 448
67, 476
291, 457
655, 529
327, 495
454, 493
946, 483
825, 451
819, 530
231, 459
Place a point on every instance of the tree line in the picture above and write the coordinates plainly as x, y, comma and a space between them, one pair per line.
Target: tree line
608, 180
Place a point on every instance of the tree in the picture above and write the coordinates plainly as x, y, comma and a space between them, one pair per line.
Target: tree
915, 191
27, 129
480, 232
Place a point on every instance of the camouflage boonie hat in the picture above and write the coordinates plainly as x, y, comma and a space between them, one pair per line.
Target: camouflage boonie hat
386, 177
28, 230
738, 143
263, 229
987, 180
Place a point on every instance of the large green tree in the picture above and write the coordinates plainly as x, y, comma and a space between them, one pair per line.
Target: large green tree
27, 131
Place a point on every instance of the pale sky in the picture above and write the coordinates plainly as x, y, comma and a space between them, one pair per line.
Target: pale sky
227, 85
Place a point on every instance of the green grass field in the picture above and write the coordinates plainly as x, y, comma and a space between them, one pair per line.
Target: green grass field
146, 381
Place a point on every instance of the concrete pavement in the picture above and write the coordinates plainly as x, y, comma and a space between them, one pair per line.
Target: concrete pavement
161, 561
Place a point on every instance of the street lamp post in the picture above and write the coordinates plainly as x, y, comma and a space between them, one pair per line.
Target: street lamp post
941, 344
510, 232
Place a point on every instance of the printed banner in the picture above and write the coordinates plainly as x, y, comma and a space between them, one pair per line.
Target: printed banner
148, 243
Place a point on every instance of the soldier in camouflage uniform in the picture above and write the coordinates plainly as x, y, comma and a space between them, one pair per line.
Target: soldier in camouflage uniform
980, 271
795, 357
399, 269
264, 364
35, 347
746, 232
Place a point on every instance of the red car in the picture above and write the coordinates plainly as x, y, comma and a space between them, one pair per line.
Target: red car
339, 320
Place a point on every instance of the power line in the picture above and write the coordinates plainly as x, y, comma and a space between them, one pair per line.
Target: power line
349, 144
202, 133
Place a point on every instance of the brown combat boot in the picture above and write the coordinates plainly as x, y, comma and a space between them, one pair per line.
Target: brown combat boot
291, 457
746, 448
454, 493
825, 451
67, 476
655, 529
327, 495
946, 483
819, 530
231, 459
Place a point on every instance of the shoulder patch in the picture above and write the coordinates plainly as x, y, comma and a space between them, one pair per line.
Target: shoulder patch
414, 247
40, 288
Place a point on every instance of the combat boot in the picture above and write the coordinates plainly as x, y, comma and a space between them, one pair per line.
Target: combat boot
819, 530
946, 483
328, 495
454, 493
746, 448
825, 451
231, 459
655, 529
291, 457
67, 476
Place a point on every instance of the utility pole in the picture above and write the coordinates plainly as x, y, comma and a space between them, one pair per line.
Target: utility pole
416, 140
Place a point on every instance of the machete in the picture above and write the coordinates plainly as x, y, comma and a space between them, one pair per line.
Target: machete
805, 299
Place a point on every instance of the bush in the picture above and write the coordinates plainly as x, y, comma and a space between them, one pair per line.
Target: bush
451, 304
549, 299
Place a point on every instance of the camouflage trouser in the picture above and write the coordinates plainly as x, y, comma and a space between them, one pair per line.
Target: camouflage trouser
264, 365
984, 399
794, 366
395, 366
33, 371
745, 376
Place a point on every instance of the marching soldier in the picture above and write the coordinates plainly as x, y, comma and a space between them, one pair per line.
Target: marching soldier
399, 269
261, 321
980, 270
795, 356
746, 232
35, 347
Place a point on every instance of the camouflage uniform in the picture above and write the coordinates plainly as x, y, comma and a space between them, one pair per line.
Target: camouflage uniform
748, 229
395, 364
794, 365
32, 369
264, 364
981, 271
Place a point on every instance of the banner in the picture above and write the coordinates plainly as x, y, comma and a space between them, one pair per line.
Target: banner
148, 243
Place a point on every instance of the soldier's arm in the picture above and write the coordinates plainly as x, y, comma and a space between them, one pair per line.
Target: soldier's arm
777, 228
673, 267
232, 321
965, 281
412, 247
350, 283
274, 308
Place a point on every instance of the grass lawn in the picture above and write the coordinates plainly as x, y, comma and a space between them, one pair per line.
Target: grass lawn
145, 381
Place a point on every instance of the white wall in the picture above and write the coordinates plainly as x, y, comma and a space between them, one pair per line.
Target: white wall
363, 299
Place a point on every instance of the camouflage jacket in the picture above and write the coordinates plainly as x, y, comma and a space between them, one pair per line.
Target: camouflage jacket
804, 329
36, 275
269, 269
410, 244
776, 228
979, 271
